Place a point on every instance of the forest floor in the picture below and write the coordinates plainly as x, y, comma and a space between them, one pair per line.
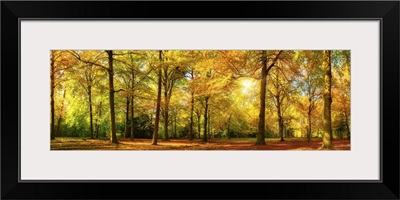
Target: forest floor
197, 144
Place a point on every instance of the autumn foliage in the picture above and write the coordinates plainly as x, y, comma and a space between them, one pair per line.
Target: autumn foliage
299, 99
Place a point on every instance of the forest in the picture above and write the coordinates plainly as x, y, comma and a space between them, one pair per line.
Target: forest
200, 100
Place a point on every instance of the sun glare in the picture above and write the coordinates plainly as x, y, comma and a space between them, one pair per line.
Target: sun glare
246, 85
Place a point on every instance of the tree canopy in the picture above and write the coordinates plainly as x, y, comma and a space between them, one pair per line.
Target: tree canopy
200, 94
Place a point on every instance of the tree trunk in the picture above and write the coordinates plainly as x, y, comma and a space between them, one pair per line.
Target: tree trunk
60, 117
58, 126
98, 121
309, 126
261, 124
111, 97
175, 135
132, 108
166, 115
97, 130
228, 136
205, 120
157, 120
347, 125
327, 137
52, 87
198, 124
209, 123
132, 117
284, 130
191, 119
90, 111
166, 84
127, 131
280, 121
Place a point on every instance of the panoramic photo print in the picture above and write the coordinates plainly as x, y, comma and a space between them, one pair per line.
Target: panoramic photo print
200, 100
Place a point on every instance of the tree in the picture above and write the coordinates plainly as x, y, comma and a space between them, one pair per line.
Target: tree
60, 61
86, 77
60, 115
157, 120
206, 98
191, 76
209, 123
211, 81
98, 119
327, 136
264, 72
198, 115
280, 92
172, 71
126, 76
111, 97
191, 134
110, 70
341, 89
310, 80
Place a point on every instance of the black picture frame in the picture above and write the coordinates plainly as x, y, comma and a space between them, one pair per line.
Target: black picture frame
386, 11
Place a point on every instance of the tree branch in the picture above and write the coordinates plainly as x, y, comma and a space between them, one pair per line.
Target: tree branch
86, 61
119, 90
274, 61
